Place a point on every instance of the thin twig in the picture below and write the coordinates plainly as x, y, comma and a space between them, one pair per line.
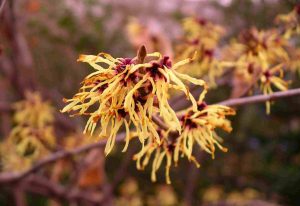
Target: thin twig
192, 180
19, 196
160, 122
9, 177
43, 186
260, 98
2, 4
5, 107
253, 99
121, 172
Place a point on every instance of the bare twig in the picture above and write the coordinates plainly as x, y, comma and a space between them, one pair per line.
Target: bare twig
20, 60
5, 107
254, 99
191, 181
159, 122
121, 172
19, 196
260, 98
12, 177
5, 117
43, 186
2, 4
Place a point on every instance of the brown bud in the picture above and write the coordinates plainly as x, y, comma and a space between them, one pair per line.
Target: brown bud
142, 52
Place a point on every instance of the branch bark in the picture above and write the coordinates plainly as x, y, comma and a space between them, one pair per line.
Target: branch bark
8, 177
12, 177
45, 187
2, 4
260, 98
21, 72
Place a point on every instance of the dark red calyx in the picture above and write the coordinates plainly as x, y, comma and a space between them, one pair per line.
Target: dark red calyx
267, 74
124, 62
201, 21
122, 113
201, 106
102, 88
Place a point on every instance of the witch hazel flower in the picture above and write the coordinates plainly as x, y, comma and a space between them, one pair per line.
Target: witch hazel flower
128, 92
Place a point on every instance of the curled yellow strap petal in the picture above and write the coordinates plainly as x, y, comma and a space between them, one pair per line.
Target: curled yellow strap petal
127, 138
94, 59
154, 54
168, 165
154, 163
181, 63
190, 79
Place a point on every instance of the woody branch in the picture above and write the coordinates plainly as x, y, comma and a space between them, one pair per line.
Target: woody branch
13, 177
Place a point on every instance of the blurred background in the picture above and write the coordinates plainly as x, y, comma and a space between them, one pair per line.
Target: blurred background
40, 42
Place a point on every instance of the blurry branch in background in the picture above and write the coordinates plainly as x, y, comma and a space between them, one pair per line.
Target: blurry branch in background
191, 181
56, 191
19, 196
2, 4
19, 67
5, 107
13, 177
120, 174
234, 102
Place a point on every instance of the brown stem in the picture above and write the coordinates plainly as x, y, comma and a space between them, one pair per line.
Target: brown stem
22, 74
190, 186
260, 98
11, 177
120, 174
5, 107
160, 122
8, 177
43, 186
2, 4
19, 196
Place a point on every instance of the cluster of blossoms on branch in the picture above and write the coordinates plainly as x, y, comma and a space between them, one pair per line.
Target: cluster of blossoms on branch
132, 95
263, 57
131, 92
198, 128
257, 58
33, 135
260, 58
203, 37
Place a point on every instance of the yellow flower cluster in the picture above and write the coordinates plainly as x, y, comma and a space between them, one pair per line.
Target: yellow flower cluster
265, 46
33, 135
203, 30
289, 26
259, 56
290, 23
202, 37
129, 91
294, 63
198, 127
